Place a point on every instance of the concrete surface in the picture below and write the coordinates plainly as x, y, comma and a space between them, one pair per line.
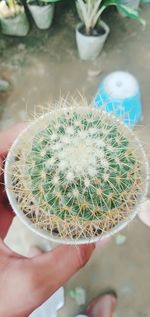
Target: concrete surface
44, 65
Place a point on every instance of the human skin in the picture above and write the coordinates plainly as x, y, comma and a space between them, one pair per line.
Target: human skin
25, 283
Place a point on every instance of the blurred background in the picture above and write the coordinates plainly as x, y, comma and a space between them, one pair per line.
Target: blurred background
38, 66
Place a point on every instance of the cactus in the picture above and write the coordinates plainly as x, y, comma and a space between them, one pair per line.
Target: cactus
77, 173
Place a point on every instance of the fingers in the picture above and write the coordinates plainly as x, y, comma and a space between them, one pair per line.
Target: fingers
6, 214
6, 140
103, 306
53, 269
6, 217
8, 137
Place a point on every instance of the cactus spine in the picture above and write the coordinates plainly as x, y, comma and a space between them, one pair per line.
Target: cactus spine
77, 173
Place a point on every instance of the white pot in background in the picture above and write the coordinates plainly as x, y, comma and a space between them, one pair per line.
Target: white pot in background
15, 25
89, 47
42, 15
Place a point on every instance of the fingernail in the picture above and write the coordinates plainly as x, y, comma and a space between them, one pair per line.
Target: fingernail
91, 247
104, 307
103, 242
108, 306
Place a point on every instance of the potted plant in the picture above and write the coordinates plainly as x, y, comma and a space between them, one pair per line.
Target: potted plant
132, 4
76, 175
92, 32
42, 12
13, 18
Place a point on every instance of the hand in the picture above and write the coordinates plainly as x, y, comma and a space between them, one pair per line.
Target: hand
25, 283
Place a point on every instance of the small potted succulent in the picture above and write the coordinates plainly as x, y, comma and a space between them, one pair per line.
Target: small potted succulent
76, 175
13, 18
92, 32
42, 12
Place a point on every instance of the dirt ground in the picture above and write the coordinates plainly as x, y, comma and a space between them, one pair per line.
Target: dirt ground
44, 65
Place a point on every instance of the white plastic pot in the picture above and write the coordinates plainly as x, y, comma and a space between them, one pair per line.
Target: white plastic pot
89, 47
42, 15
16, 25
28, 134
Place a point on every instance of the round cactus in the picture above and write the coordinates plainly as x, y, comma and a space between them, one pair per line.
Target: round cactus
77, 173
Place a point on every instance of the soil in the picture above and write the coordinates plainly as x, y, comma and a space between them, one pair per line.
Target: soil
98, 31
40, 68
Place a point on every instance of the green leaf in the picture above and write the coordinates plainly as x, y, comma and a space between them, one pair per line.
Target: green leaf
132, 14
11, 4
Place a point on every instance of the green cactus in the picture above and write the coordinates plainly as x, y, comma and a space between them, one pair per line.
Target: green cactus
80, 175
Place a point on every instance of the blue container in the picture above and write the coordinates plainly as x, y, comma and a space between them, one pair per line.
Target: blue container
119, 93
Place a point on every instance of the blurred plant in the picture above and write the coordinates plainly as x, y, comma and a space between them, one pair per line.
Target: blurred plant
10, 8
90, 12
42, 2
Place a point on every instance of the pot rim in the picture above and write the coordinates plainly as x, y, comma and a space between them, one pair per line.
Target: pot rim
101, 22
36, 5
45, 234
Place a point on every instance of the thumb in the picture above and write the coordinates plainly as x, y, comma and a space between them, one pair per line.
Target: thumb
52, 269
